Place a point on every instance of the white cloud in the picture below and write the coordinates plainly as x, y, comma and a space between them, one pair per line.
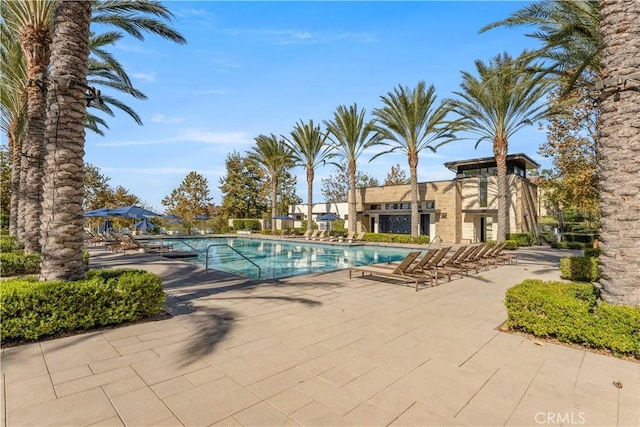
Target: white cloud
284, 37
181, 171
161, 118
188, 135
147, 77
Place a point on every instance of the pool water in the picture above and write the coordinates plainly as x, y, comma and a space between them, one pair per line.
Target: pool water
282, 258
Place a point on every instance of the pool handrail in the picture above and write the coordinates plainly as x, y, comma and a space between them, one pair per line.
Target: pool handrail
206, 259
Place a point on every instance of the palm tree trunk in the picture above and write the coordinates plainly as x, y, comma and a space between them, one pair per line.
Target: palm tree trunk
62, 220
415, 219
15, 184
310, 176
500, 153
352, 196
35, 44
274, 202
619, 154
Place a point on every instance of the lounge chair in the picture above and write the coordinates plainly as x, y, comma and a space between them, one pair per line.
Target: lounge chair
400, 271
500, 255
431, 268
306, 235
313, 235
348, 238
448, 264
319, 236
467, 260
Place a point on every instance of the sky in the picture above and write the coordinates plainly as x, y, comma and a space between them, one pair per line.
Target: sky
252, 68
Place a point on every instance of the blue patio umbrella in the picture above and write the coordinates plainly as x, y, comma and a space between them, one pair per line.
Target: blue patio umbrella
106, 226
97, 212
132, 211
283, 217
201, 217
144, 225
329, 217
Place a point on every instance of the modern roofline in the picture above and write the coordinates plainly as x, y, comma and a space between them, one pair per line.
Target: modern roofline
528, 161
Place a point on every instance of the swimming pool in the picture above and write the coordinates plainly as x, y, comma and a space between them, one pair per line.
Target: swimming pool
283, 258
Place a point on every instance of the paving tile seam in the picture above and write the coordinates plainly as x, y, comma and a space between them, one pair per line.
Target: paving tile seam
480, 349
402, 413
575, 383
476, 393
524, 393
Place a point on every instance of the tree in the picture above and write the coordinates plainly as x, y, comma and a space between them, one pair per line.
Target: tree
5, 184
96, 188
62, 221
396, 176
274, 157
309, 150
351, 135
619, 152
335, 187
243, 191
571, 146
568, 31
410, 122
495, 105
190, 199
287, 195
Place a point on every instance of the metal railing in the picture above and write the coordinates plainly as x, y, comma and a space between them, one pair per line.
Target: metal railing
206, 262
436, 240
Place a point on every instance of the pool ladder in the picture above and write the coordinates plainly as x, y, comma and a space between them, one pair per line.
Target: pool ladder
206, 261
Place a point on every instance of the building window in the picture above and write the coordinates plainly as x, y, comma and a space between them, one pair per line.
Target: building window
483, 192
431, 204
375, 207
397, 206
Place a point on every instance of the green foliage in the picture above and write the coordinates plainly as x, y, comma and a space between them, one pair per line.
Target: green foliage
522, 239
573, 313
31, 309
582, 268
5, 183
12, 263
511, 245
10, 244
395, 238
591, 252
190, 199
397, 176
579, 237
252, 224
568, 245
244, 192
335, 187
238, 224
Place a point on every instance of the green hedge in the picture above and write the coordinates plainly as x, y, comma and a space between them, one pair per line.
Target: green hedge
9, 244
31, 309
581, 268
395, 238
569, 245
573, 313
591, 252
12, 263
523, 239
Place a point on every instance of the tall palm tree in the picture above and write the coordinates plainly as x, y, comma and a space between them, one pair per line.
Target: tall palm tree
13, 117
31, 22
619, 153
497, 104
568, 31
351, 136
274, 157
410, 121
309, 149
62, 221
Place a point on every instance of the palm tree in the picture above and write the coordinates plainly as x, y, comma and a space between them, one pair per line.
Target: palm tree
13, 117
309, 150
568, 31
495, 105
62, 221
410, 121
619, 153
274, 157
351, 135
31, 23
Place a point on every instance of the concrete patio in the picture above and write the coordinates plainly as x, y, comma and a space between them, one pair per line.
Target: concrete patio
318, 350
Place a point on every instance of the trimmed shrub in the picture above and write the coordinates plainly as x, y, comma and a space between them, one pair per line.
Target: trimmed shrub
13, 263
238, 224
31, 309
511, 245
252, 224
9, 244
395, 238
591, 252
522, 239
573, 313
581, 268
585, 238
569, 245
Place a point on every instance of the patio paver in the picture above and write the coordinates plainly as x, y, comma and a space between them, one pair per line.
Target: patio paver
317, 350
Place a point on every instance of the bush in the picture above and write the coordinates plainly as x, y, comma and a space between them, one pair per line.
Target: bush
522, 239
511, 245
252, 224
591, 252
238, 224
581, 268
573, 313
395, 238
13, 263
585, 238
9, 244
31, 309
569, 245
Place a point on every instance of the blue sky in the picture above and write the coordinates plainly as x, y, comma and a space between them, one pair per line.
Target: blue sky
253, 68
